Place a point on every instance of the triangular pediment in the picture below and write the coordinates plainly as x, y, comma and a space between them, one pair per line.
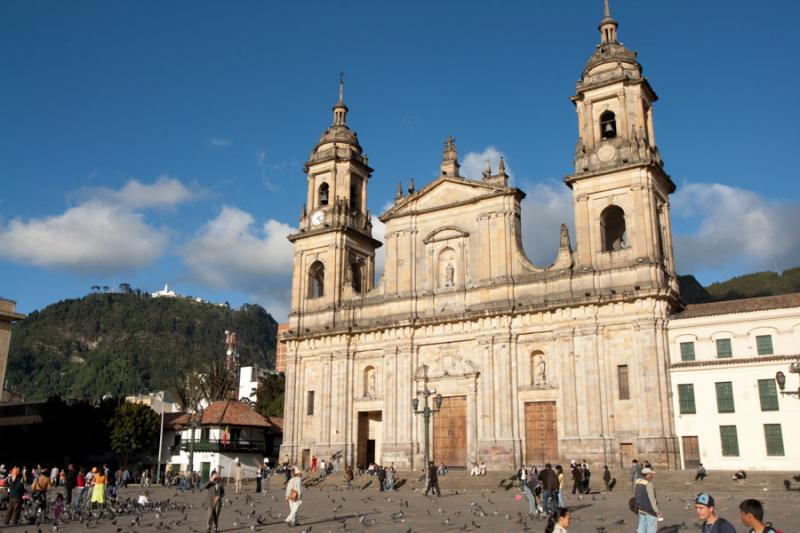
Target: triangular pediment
443, 192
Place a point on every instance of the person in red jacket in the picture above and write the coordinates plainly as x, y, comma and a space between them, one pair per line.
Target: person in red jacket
80, 481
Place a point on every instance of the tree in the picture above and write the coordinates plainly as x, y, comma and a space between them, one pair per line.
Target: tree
217, 380
187, 391
270, 395
134, 428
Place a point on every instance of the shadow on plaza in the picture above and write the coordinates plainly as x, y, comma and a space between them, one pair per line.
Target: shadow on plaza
300, 523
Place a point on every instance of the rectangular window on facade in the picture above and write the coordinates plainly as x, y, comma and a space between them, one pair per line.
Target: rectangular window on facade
686, 399
764, 344
730, 441
774, 438
310, 403
768, 393
622, 375
724, 348
725, 397
687, 351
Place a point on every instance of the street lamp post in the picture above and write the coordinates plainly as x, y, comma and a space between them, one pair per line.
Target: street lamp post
780, 378
427, 412
160, 441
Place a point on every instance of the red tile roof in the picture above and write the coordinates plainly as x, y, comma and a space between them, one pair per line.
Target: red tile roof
230, 413
746, 305
734, 361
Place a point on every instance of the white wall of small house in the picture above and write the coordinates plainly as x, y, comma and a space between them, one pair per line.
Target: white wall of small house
743, 370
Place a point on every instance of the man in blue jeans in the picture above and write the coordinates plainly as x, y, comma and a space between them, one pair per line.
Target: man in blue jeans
549, 480
645, 494
529, 488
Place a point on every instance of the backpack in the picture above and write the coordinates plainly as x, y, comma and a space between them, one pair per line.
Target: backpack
769, 528
632, 505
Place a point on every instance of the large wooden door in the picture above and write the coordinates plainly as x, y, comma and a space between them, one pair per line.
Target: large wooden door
691, 452
626, 455
450, 432
541, 433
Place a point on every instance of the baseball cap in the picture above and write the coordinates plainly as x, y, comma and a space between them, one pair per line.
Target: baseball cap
647, 470
704, 498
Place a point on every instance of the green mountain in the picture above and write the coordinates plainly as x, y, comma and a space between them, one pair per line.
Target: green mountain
120, 344
746, 286
756, 284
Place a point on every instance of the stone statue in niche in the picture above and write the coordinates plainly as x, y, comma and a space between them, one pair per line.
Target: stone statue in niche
449, 275
539, 369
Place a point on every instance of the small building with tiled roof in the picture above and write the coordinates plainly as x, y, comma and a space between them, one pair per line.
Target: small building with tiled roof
729, 410
223, 433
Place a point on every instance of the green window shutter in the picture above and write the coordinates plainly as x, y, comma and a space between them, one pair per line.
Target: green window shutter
725, 397
764, 344
686, 399
730, 441
768, 394
724, 348
687, 351
774, 438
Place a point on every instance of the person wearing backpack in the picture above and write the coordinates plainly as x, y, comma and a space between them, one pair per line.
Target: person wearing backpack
752, 514
704, 507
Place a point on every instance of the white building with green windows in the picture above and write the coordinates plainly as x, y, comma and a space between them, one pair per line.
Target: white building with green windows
728, 409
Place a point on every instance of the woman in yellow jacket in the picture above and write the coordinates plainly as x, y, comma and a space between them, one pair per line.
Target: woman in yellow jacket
99, 489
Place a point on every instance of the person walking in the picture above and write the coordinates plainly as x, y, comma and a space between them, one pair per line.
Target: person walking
313, 463
99, 488
259, 470
636, 473
381, 478
607, 478
646, 503
712, 523
348, 475
294, 496
433, 480
701, 473
751, 513
558, 521
238, 475
528, 487
577, 478
39, 489
54, 476
323, 469
586, 475
80, 482
69, 484
549, 481
216, 492
16, 489
561, 477
390, 479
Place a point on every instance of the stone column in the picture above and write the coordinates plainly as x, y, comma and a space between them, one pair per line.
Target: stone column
472, 418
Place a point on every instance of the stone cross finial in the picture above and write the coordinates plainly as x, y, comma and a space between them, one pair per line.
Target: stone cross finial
411, 187
399, 190
450, 149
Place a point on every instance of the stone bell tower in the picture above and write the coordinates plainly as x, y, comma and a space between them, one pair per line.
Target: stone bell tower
334, 252
620, 188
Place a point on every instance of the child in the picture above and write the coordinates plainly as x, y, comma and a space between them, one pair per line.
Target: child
58, 507
144, 500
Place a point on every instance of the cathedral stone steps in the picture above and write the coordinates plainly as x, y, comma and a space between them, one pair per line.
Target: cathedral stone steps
680, 483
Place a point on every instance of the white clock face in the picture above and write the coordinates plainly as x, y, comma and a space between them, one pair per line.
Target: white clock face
317, 218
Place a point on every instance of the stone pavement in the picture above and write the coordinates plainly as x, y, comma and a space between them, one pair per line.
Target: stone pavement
485, 504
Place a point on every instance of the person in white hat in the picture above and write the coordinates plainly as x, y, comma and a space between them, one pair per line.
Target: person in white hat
294, 496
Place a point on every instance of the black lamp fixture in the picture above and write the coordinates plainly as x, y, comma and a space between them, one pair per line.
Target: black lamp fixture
780, 379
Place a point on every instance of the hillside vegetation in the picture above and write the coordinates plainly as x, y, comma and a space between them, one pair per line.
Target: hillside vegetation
121, 344
756, 284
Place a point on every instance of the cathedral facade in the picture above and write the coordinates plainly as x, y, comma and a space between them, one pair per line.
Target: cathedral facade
533, 363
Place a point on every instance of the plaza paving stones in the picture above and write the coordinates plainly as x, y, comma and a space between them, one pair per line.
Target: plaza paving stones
485, 504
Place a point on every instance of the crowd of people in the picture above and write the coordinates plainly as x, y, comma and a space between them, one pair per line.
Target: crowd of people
544, 490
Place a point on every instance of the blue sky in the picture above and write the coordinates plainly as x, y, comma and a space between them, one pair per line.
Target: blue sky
163, 142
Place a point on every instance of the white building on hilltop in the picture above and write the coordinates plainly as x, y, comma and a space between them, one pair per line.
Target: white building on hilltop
165, 292
729, 413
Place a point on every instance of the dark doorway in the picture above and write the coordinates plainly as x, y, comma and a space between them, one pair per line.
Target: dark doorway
370, 451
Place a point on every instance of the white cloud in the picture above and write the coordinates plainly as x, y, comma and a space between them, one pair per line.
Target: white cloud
164, 193
474, 163
734, 228
90, 238
219, 142
547, 205
232, 252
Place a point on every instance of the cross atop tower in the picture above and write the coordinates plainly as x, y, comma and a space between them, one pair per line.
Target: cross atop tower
450, 164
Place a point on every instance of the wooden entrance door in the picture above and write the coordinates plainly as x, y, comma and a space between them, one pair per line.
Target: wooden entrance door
305, 459
450, 432
691, 452
626, 455
541, 432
